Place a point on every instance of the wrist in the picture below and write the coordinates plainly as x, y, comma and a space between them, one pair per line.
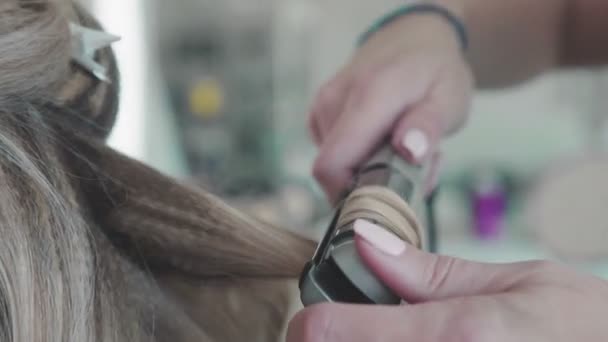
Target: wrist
431, 12
456, 7
460, 9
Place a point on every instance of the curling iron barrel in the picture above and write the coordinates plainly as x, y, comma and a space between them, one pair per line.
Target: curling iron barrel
387, 191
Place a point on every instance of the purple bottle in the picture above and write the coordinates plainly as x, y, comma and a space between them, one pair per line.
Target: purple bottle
489, 205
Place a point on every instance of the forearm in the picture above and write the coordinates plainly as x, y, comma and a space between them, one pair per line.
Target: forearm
511, 41
585, 39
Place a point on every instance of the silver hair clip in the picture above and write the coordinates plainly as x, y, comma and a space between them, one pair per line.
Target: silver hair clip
85, 42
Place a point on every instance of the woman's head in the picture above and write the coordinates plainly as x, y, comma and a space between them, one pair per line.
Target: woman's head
94, 245
48, 254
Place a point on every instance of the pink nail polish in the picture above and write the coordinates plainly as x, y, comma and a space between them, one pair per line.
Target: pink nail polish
379, 237
417, 143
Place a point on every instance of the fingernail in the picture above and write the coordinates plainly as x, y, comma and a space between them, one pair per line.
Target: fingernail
417, 143
380, 238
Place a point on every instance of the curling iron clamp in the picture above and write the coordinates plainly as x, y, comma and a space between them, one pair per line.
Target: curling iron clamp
387, 191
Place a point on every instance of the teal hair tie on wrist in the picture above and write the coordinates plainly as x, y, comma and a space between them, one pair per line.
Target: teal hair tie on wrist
458, 25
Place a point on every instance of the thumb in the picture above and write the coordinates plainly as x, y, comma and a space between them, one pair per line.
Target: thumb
418, 276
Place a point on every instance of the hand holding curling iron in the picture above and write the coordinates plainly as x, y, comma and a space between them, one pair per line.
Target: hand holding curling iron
412, 82
414, 88
453, 300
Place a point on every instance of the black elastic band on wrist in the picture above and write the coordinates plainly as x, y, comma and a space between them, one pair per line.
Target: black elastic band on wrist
456, 23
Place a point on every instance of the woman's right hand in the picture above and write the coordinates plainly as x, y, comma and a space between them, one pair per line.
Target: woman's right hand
410, 81
455, 300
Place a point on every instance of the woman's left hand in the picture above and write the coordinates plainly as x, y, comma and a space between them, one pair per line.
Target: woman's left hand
453, 300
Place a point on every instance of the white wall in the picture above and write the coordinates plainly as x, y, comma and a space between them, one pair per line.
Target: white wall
144, 129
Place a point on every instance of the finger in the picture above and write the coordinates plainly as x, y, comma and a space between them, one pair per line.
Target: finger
315, 131
445, 109
370, 113
471, 319
417, 134
417, 276
364, 323
328, 105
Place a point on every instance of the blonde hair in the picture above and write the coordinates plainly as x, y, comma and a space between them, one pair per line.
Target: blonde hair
98, 247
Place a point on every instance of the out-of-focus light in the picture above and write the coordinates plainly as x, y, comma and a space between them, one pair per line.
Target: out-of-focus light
125, 19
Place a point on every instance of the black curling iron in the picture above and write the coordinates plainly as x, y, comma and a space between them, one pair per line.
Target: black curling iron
336, 273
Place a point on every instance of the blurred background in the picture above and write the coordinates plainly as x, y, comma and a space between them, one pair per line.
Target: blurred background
217, 92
